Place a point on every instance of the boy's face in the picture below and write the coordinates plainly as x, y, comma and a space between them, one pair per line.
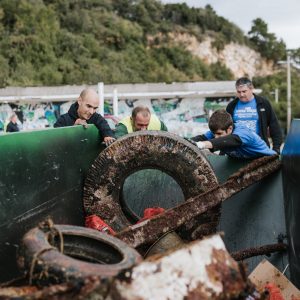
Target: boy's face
221, 132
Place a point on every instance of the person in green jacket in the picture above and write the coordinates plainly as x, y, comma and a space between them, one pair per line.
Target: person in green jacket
140, 119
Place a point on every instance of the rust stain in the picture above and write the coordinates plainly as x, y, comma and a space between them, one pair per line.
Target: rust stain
195, 206
229, 277
261, 250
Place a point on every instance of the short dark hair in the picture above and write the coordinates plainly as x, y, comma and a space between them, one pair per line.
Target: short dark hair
143, 109
244, 81
220, 120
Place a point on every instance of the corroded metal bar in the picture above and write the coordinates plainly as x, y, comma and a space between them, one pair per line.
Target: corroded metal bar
255, 251
149, 230
200, 270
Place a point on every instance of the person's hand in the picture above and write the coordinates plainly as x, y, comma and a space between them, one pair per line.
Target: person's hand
200, 145
81, 122
108, 140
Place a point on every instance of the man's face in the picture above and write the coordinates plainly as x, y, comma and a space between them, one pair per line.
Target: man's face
141, 122
87, 106
221, 132
244, 93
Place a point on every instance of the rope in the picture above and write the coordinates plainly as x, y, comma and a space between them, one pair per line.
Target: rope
52, 232
34, 260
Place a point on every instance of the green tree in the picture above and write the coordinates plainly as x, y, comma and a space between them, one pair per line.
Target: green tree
266, 43
279, 81
4, 74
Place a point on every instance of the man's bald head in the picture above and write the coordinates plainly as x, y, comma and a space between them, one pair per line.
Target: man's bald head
88, 103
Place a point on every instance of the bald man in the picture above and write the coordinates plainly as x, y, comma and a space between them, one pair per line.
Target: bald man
83, 112
140, 119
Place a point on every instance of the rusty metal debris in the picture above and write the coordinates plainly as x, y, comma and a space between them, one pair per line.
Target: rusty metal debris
262, 250
86, 253
75, 289
142, 150
200, 270
150, 230
223, 278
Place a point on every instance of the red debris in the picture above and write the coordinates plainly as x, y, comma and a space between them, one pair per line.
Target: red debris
274, 292
151, 212
97, 223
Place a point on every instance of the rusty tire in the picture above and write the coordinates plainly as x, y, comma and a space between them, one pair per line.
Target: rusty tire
141, 150
86, 253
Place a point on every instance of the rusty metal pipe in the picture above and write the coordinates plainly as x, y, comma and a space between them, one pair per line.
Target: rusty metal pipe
148, 231
256, 251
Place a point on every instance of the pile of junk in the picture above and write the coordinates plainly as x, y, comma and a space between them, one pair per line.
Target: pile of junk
149, 217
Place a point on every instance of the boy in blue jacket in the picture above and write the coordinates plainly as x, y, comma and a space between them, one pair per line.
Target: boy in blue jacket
232, 139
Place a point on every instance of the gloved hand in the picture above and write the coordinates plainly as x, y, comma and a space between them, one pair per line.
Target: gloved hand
200, 145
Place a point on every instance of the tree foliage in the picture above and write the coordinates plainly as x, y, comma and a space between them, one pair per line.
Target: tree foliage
279, 81
266, 43
53, 42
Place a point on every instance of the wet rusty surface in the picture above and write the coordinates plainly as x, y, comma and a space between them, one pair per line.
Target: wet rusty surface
44, 264
185, 274
171, 219
17, 291
159, 150
262, 250
76, 289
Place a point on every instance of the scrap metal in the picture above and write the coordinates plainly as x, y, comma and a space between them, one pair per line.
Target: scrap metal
200, 270
262, 250
150, 230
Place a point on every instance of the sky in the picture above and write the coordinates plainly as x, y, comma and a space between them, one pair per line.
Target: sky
282, 16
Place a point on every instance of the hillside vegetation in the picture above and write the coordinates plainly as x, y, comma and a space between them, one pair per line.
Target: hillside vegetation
58, 42
54, 42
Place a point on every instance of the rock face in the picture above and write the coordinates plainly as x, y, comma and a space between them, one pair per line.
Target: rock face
239, 59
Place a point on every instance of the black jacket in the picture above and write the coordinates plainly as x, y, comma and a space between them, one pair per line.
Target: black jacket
71, 116
267, 121
12, 127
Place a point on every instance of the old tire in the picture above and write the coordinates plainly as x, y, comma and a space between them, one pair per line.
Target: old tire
87, 253
141, 150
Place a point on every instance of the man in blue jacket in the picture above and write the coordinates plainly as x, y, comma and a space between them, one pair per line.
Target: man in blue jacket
235, 140
83, 112
255, 112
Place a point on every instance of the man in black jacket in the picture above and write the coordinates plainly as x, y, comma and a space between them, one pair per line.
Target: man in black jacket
255, 112
83, 112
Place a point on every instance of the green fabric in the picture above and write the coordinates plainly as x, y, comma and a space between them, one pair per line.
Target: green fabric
120, 130
163, 127
154, 123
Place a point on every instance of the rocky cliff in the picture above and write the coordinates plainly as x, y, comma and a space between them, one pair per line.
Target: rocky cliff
240, 59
